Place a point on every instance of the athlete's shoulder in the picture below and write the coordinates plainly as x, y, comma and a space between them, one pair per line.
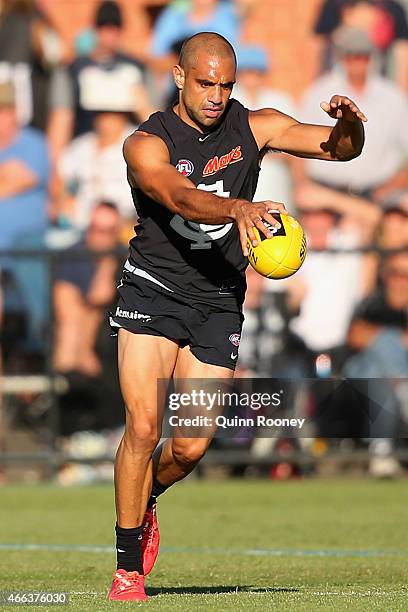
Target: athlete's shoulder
143, 147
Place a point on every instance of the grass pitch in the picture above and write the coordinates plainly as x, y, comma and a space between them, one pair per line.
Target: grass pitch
236, 545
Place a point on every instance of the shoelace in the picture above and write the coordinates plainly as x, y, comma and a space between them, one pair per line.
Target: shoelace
124, 582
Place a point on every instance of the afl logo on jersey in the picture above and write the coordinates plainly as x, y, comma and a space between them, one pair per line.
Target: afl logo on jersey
234, 339
185, 167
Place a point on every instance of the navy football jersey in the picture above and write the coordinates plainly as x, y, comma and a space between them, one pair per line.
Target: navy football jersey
196, 260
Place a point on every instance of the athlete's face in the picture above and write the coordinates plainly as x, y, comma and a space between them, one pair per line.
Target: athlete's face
206, 87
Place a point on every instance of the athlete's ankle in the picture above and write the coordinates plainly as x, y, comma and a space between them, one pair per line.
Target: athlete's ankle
128, 549
157, 489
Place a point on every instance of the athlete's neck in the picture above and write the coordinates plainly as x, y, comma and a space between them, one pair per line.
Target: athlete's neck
184, 116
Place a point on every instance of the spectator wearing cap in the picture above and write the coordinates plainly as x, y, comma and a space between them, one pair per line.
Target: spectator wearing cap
384, 20
105, 80
275, 179
382, 167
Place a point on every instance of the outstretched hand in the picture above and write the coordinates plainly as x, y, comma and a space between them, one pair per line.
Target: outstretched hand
341, 107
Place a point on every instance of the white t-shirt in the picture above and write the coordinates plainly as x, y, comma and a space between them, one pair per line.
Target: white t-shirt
275, 182
386, 145
97, 174
333, 289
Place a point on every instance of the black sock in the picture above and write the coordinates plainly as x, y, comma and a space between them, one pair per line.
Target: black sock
157, 489
129, 549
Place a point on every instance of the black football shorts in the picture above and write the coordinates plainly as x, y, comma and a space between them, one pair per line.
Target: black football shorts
212, 332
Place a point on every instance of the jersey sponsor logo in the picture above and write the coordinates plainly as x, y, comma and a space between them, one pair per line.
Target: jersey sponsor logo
132, 314
185, 167
215, 164
235, 339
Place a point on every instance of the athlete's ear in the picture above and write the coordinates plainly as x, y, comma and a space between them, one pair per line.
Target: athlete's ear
178, 74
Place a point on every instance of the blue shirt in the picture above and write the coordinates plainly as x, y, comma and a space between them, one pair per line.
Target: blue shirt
174, 25
25, 211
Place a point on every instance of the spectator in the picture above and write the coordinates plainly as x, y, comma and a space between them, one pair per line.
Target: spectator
106, 80
378, 335
393, 230
179, 21
384, 20
332, 282
24, 174
29, 47
92, 170
383, 167
84, 289
275, 180
268, 347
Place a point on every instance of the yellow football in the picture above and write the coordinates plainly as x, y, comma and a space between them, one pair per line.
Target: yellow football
283, 254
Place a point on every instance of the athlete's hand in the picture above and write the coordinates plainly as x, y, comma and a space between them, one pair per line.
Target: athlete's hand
249, 215
341, 107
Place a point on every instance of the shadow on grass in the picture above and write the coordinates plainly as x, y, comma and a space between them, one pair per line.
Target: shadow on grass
203, 590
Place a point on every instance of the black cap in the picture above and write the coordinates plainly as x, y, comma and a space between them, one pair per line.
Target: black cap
108, 14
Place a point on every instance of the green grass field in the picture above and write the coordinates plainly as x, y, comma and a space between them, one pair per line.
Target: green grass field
235, 545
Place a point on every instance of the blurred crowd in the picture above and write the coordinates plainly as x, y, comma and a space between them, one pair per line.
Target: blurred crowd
66, 212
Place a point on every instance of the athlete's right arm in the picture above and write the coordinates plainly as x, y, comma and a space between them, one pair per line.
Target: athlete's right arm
149, 168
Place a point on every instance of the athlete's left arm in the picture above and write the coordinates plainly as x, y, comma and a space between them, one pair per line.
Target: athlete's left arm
342, 142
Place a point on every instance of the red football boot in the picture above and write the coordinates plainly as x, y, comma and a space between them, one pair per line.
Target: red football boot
127, 586
150, 539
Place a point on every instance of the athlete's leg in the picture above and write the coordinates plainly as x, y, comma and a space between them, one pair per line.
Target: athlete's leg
178, 456
142, 360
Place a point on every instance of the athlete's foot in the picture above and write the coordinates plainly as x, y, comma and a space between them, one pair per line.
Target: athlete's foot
150, 539
127, 586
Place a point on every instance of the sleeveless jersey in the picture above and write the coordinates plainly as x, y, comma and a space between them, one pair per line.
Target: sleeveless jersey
196, 260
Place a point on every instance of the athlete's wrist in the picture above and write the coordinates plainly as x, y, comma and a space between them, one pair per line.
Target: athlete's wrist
235, 207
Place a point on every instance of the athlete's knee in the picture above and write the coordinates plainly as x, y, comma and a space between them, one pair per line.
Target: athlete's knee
142, 431
188, 452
